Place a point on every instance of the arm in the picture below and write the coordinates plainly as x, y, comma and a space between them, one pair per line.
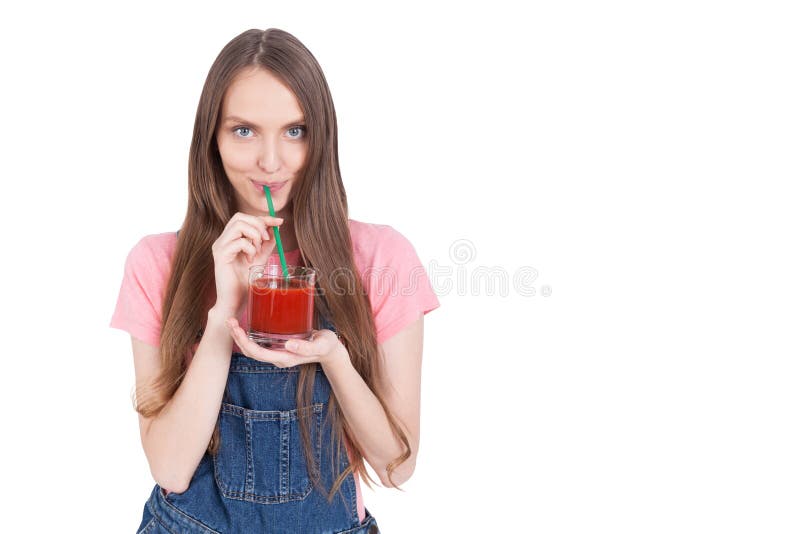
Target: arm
175, 440
401, 365
400, 387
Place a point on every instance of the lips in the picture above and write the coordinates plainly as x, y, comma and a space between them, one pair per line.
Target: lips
273, 186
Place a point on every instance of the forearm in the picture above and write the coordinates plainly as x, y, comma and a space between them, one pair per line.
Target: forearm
367, 419
178, 437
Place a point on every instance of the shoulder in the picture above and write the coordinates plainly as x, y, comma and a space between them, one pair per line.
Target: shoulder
381, 251
373, 242
140, 300
152, 253
158, 245
393, 275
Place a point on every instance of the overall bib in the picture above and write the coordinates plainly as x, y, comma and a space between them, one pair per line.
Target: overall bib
258, 481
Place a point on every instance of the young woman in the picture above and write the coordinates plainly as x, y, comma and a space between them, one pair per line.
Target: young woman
241, 438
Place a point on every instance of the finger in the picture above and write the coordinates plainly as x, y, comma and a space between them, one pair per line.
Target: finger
245, 229
252, 349
237, 230
262, 223
267, 248
241, 245
295, 359
242, 224
256, 220
306, 348
291, 360
248, 346
246, 246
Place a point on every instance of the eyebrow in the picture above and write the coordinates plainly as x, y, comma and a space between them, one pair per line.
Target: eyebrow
234, 118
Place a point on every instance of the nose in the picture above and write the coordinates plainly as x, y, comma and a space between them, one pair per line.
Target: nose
269, 159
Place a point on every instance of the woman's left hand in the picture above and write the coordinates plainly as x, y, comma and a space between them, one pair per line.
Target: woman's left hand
323, 347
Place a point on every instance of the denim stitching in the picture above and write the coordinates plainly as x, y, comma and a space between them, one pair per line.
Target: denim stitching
250, 482
251, 369
163, 525
284, 495
252, 497
184, 516
284, 472
269, 415
261, 499
222, 486
319, 444
256, 366
152, 511
318, 451
148, 526
246, 368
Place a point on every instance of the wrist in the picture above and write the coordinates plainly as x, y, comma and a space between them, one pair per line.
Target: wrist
337, 359
220, 315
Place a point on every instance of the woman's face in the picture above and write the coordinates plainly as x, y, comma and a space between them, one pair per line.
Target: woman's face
261, 137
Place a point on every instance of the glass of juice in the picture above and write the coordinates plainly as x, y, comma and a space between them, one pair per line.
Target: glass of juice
280, 308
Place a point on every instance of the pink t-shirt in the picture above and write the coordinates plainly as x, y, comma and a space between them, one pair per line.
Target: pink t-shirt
393, 276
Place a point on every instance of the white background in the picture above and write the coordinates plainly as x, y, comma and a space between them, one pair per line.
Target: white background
641, 156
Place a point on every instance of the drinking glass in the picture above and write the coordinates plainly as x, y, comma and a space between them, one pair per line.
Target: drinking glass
280, 308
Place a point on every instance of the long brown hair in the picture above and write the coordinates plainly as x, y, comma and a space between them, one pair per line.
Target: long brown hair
320, 216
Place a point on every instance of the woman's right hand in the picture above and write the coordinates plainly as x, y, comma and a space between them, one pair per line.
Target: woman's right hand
244, 241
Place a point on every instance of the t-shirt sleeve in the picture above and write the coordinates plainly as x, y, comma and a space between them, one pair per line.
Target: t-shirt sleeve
398, 285
138, 309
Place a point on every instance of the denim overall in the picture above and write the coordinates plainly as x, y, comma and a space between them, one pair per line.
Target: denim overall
258, 481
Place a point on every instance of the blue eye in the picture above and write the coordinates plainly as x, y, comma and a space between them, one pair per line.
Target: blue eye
239, 128
299, 129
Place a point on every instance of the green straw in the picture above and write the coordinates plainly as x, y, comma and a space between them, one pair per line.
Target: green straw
277, 234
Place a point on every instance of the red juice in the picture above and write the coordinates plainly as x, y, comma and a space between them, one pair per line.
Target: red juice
280, 306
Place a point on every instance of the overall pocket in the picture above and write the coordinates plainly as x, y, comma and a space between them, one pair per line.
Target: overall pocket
260, 457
